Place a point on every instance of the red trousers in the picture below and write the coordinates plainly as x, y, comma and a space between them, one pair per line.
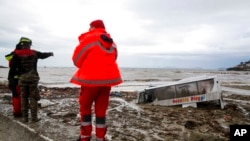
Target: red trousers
16, 101
99, 96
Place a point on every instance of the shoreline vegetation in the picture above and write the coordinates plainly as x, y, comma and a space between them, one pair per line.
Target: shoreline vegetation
3, 66
243, 66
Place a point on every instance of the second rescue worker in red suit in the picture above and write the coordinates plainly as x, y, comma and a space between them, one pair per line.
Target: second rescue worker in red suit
95, 57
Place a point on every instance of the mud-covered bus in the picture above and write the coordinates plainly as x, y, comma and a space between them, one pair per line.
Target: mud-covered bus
184, 92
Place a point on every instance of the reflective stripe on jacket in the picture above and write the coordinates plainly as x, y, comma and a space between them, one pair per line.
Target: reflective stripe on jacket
9, 57
95, 59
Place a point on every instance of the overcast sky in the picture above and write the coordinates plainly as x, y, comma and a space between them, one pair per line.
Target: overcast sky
208, 34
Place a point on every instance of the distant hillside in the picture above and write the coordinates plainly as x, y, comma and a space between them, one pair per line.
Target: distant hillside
243, 66
2, 66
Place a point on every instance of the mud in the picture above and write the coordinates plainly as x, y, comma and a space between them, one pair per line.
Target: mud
12, 130
128, 121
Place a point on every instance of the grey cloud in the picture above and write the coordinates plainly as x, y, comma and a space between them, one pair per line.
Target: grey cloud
170, 20
186, 61
138, 42
182, 13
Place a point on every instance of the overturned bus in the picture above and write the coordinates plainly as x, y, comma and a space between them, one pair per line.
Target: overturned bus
185, 92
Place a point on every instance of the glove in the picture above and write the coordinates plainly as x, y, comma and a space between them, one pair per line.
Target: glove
51, 54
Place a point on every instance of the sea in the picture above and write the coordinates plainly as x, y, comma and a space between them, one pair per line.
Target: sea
137, 79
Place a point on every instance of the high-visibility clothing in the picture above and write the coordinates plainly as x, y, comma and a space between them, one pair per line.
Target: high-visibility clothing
24, 63
25, 60
8, 57
100, 96
13, 85
95, 58
16, 102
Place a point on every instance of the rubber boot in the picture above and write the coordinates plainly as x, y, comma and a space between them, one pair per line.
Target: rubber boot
25, 118
16, 103
100, 133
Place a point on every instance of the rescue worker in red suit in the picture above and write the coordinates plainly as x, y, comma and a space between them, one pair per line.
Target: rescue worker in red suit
13, 86
95, 57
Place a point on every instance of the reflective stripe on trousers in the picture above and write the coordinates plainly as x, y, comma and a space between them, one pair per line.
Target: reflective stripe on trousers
85, 138
99, 96
101, 128
86, 127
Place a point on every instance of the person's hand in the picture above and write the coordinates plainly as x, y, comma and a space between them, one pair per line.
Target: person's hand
10, 84
52, 54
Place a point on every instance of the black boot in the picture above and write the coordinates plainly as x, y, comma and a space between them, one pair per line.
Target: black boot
17, 115
79, 139
25, 119
35, 119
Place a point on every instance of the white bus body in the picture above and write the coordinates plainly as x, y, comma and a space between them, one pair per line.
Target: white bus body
184, 92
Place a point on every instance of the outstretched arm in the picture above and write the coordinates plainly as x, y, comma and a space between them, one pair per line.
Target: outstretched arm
43, 55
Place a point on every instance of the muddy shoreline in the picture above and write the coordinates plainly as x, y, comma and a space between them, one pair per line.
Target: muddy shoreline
128, 121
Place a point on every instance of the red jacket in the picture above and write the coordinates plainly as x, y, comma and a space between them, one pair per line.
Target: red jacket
95, 58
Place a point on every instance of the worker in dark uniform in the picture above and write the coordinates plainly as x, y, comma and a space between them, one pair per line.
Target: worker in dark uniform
13, 86
24, 63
